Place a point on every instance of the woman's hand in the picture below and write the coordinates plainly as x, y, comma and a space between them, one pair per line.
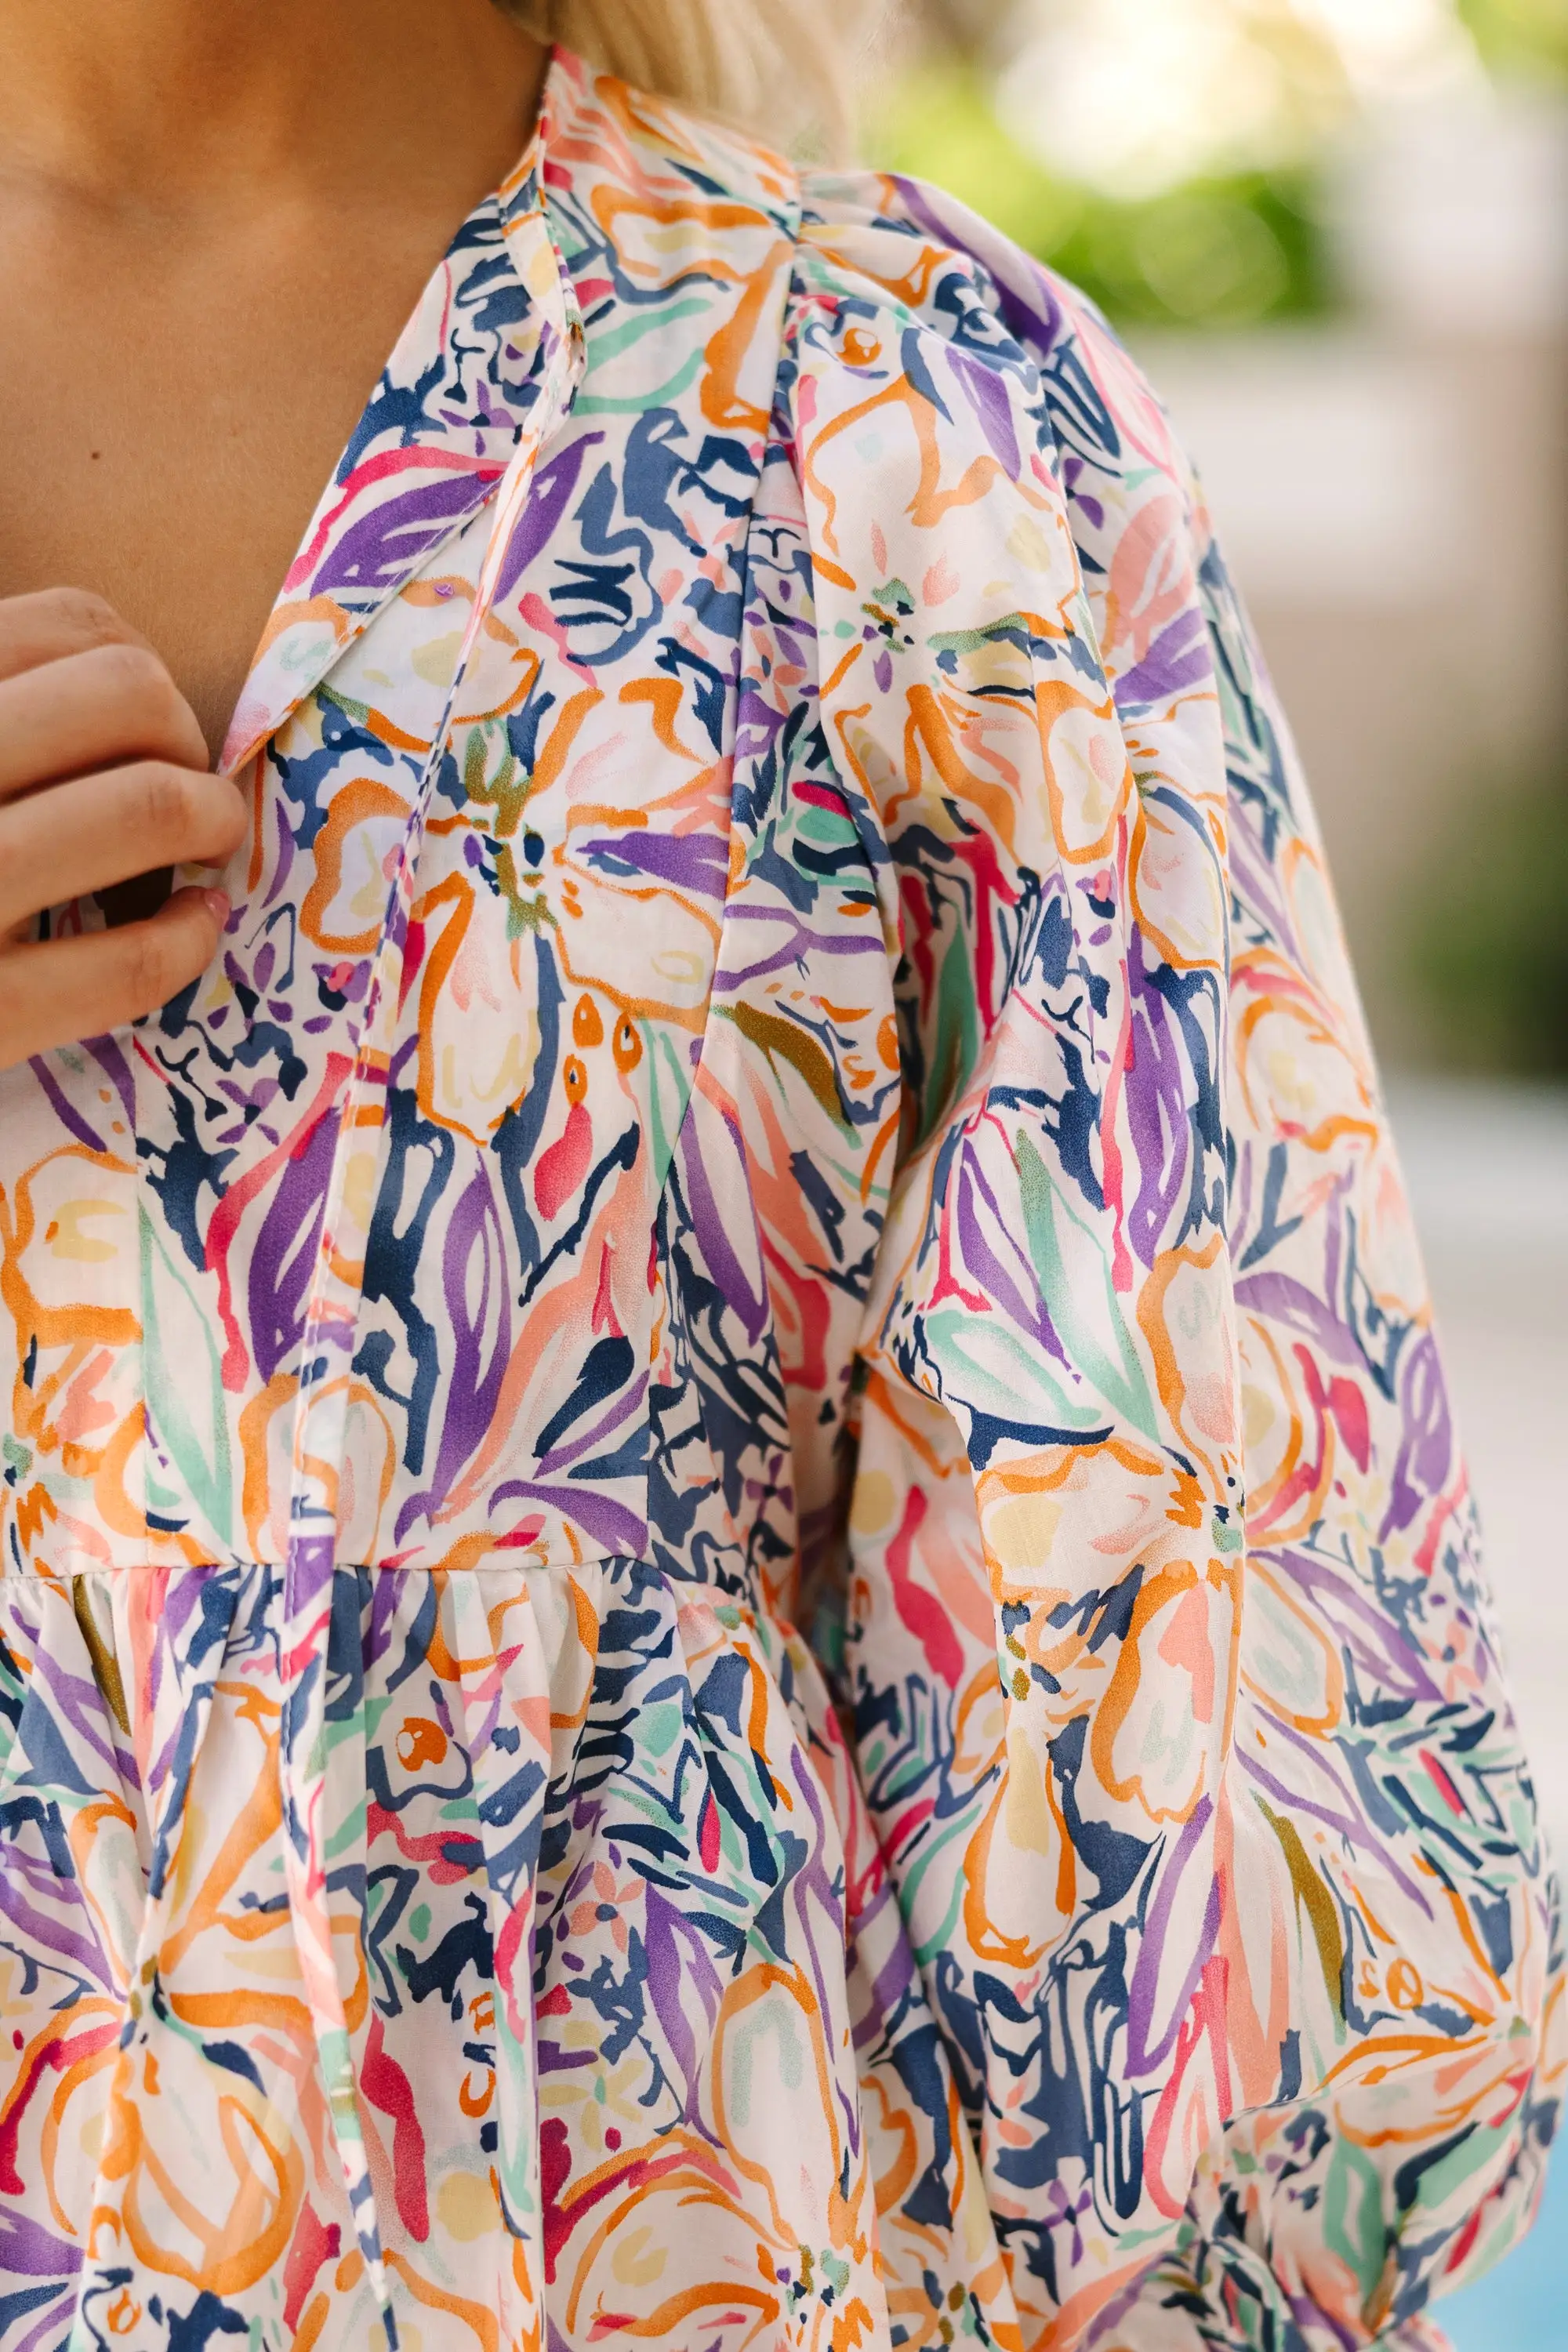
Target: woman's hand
103, 776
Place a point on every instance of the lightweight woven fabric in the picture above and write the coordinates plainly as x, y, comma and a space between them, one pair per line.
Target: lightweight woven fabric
738, 1609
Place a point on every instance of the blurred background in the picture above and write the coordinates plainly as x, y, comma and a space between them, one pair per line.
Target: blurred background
1336, 231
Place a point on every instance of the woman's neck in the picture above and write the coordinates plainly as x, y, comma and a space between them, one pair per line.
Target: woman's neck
162, 106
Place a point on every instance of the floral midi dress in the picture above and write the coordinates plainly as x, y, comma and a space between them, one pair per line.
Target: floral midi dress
737, 1609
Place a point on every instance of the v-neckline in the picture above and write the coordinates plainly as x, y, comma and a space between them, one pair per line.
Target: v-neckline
417, 468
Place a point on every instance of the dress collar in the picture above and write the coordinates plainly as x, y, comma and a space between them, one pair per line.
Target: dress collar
439, 432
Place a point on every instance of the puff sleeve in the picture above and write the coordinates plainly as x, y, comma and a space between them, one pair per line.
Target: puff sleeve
1167, 1649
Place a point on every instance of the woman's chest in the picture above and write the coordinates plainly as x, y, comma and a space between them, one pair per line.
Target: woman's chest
167, 432
365, 1232
389, 1234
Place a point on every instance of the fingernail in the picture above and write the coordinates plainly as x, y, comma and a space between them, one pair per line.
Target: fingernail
218, 903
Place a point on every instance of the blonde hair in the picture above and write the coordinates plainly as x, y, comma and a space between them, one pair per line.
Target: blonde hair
781, 67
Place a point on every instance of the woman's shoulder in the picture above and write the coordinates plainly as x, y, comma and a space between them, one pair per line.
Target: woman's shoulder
936, 260
878, 242
893, 283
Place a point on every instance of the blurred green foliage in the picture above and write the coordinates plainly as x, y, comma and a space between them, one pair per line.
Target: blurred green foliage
1491, 948
1527, 36
1224, 252
1490, 944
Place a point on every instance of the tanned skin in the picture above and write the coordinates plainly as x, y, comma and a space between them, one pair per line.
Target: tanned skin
216, 216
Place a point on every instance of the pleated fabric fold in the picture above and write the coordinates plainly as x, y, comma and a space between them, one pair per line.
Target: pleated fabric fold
588, 1899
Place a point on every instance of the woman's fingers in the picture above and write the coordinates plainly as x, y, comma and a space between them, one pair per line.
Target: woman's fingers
103, 776
101, 709
65, 990
94, 831
55, 621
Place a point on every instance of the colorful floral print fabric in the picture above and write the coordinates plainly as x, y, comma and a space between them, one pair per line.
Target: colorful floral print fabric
783, 1060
